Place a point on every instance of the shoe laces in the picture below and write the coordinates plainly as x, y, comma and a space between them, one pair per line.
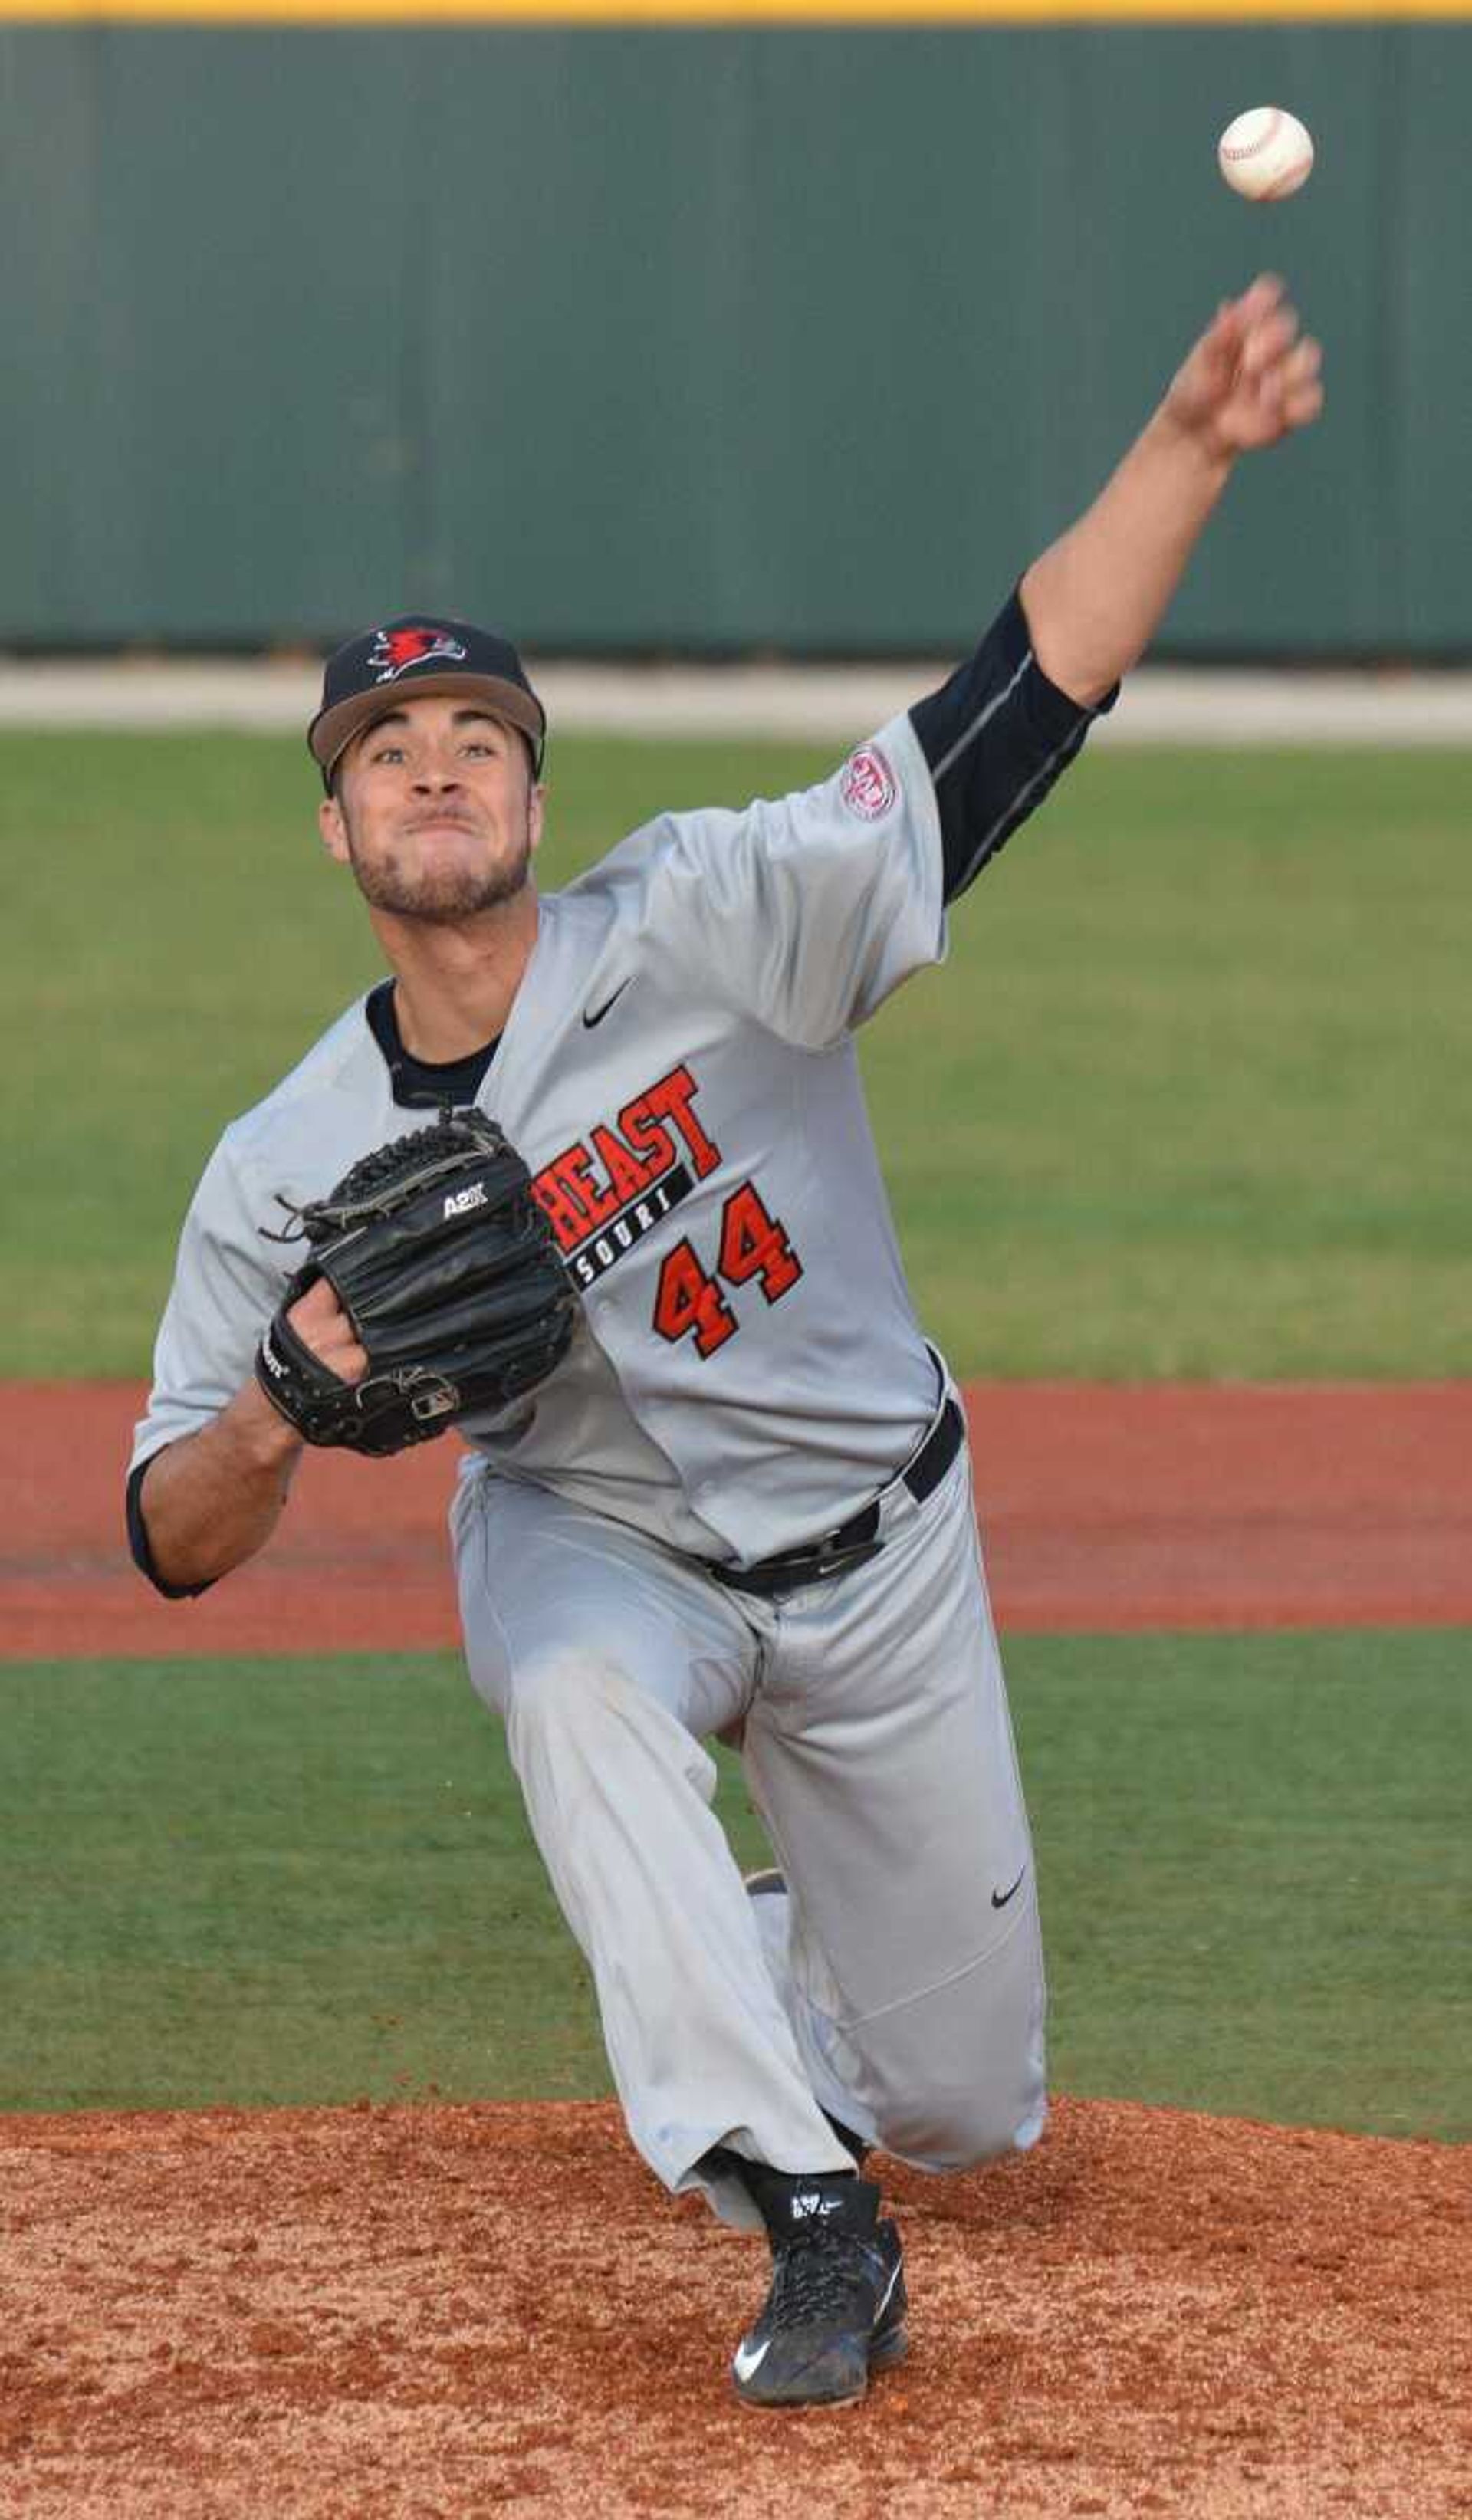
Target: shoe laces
821, 2274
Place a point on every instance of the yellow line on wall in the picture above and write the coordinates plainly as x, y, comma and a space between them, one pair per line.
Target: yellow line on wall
671, 12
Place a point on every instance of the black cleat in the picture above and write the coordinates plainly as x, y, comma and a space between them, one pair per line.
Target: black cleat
836, 2309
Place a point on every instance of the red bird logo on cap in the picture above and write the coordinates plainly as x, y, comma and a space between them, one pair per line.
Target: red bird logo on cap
393, 651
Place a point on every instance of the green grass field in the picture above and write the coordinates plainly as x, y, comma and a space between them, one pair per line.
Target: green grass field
1188, 1099
310, 1881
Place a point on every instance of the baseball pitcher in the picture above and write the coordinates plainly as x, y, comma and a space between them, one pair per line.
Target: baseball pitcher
588, 1176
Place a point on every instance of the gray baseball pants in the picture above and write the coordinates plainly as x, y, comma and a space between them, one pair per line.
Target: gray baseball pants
899, 1985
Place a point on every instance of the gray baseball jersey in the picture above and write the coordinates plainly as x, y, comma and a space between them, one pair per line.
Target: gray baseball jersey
679, 1072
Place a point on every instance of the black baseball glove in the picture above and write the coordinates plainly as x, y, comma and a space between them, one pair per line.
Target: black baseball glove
446, 1267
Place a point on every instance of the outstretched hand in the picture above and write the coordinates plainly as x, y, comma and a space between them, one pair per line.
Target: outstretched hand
1252, 378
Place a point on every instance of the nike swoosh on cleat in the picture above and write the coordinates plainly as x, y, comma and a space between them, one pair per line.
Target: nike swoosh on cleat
589, 1020
999, 1898
749, 2358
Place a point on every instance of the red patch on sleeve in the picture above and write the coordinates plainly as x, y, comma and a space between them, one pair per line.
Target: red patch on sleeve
869, 783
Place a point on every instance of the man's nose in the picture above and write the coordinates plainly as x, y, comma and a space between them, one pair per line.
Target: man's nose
436, 776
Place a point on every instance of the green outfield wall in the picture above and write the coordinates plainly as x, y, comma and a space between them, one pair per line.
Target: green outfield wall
712, 337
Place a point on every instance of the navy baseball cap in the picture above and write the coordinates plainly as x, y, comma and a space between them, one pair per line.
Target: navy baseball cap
428, 656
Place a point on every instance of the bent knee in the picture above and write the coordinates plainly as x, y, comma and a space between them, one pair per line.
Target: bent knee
990, 2127
961, 2131
961, 2076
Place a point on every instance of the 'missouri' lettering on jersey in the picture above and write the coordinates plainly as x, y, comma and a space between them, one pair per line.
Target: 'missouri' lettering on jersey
604, 1191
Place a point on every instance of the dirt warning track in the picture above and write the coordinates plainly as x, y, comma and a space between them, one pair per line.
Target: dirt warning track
1104, 1507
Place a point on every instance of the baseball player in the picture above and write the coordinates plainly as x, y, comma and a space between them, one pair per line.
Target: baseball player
741, 1503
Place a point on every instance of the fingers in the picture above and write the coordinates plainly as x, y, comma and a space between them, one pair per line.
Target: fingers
1267, 341
1299, 381
322, 1324
1261, 295
315, 1309
1250, 331
1303, 361
1303, 405
1236, 317
1284, 375
1278, 366
1252, 378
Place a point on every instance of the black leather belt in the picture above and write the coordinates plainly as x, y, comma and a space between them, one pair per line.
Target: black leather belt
856, 1540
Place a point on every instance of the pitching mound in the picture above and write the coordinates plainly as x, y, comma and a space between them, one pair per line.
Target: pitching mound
422, 2314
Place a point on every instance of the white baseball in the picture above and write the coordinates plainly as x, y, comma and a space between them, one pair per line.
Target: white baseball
1266, 153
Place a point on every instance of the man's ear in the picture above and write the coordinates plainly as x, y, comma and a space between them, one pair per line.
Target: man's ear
536, 812
334, 829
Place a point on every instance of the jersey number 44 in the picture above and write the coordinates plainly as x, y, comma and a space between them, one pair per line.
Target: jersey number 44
690, 1301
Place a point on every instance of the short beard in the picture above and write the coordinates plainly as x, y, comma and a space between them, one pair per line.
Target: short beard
443, 897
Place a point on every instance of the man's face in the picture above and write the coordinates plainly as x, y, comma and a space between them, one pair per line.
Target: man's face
435, 810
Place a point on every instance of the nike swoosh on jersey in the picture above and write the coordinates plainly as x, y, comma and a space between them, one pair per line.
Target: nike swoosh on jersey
749, 2358
999, 1898
589, 1020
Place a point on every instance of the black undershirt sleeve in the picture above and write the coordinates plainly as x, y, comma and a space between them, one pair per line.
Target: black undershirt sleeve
142, 1553
995, 737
